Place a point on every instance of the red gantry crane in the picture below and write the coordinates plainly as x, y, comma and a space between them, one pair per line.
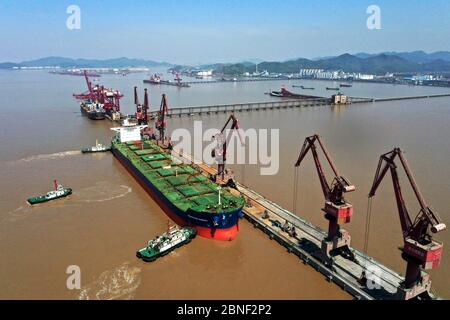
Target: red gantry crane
141, 109
109, 97
336, 209
220, 152
420, 251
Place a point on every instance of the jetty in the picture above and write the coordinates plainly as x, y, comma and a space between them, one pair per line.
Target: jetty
277, 105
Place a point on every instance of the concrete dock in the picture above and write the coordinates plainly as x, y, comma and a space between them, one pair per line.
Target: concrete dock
252, 106
262, 213
284, 103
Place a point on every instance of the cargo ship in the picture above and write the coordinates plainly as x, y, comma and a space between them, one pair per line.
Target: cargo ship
185, 194
155, 79
283, 93
93, 110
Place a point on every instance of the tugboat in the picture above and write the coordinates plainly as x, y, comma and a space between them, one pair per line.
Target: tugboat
97, 148
168, 241
59, 192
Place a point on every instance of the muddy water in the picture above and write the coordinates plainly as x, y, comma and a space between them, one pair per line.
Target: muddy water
109, 216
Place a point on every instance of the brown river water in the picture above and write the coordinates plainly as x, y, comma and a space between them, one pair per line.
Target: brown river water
109, 215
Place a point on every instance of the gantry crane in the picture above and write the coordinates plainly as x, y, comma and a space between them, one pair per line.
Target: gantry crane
220, 152
109, 97
336, 209
420, 251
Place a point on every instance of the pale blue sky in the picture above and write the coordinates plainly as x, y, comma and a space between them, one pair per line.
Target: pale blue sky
194, 31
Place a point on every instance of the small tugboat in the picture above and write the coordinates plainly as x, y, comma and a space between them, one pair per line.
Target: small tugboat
97, 148
162, 245
59, 192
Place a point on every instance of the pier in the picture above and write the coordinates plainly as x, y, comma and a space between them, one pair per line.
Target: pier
383, 283
276, 105
252, 106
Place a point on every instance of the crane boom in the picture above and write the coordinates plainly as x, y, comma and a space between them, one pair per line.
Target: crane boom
88, 83
136, 98
340, 184
221, 151
426, 217
161, 119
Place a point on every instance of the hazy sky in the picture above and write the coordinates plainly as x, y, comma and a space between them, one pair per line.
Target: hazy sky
194, 31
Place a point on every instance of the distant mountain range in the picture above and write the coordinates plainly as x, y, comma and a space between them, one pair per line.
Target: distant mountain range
403, 62
63, 62
381, 63
414, 56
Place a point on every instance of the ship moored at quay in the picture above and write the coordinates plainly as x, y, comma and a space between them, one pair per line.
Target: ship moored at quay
181, 190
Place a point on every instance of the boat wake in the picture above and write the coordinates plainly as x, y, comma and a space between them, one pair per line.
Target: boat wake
16, 214
50, 156
118, 283
102, 191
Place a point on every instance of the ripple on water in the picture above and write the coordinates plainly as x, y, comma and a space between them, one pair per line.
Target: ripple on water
102, 191
118, 283
50, 156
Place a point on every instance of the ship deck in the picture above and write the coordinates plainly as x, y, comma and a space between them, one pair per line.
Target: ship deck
186, 186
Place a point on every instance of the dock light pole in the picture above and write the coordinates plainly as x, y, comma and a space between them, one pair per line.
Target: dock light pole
218, 189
